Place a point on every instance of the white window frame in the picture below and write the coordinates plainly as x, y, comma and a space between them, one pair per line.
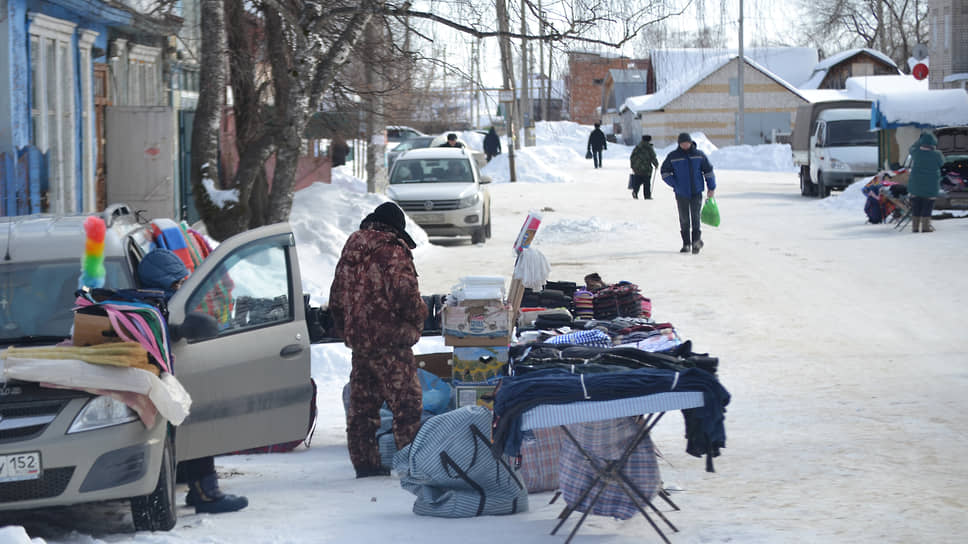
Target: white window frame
143, 75
62, 194
88, 149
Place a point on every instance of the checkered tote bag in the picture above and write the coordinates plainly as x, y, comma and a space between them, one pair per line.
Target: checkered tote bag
605, 441
450, 468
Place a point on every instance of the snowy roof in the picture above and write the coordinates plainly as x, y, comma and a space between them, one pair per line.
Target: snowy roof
823, 95
659, 100
903, 100
792, 64
821, 68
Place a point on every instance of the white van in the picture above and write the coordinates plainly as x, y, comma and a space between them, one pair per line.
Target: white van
832, 144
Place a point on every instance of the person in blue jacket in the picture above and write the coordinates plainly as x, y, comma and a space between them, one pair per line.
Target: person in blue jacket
688, 171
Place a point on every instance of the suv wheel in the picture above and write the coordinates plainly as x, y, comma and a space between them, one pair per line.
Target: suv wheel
487, 226
822, 190
479, 236
157, 511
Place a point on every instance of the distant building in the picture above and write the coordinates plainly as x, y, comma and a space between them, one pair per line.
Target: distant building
948, 44
585, 81
619, 86
833, 71
706, 99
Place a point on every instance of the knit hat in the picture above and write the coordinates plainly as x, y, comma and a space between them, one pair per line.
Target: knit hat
160, 269
646, 137
451, 137
391, 215
684, 137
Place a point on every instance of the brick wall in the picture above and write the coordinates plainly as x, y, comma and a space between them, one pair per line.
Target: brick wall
586, 76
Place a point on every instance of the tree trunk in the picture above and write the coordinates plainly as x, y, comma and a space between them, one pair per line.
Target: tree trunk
220, 222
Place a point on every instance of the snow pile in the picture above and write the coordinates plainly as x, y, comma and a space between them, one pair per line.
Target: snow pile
538, 164
765, 157
571, 230
322, 218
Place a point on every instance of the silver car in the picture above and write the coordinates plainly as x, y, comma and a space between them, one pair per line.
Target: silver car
443, 191
249, 380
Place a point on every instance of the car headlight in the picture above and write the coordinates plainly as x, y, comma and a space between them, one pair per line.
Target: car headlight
101, 412
469, 201
839, 165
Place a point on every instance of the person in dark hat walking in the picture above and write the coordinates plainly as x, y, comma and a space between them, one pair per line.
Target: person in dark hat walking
688, 171
492, 144
377, 310
643, 160
596, 143
452, 141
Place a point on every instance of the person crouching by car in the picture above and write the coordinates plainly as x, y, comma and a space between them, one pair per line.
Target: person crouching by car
377, 310
452, 141
162, 269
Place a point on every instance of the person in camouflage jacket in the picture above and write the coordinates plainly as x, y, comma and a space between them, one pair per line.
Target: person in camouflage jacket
377, 309
643, 160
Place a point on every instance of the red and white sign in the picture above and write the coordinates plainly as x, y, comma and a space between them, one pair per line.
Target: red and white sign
920, 71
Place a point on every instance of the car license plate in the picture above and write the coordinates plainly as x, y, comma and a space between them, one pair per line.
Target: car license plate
20, 466
430, 218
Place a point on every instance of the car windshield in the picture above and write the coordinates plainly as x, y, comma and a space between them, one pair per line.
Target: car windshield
36, 300
413, 143
850, 132
457, 170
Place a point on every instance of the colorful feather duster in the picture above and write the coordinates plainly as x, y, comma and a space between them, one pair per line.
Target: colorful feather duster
92, 264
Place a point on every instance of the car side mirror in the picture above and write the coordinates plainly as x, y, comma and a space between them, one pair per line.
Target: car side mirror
486, 178
197, 326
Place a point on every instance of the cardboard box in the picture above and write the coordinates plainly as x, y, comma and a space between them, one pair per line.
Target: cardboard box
487, 318
478, 364
92, 329
475, 395
438, 364
476, 341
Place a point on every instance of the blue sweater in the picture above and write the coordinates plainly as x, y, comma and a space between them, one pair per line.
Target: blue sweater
685, 172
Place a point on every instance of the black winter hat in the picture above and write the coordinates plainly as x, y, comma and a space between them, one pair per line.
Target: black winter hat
391, 215
160, 269
684, 137
646, 138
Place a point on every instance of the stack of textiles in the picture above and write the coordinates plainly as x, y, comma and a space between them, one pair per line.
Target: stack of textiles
618, 300
593, 337
547, 298
579, 359
584, 302
705, 429
553, 321
136, 315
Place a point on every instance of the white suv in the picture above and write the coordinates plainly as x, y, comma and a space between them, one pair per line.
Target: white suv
443, 191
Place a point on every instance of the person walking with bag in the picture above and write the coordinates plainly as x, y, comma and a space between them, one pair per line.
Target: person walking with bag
688, 171
492, 144
597, 143
924, 182
643, 160
377, 310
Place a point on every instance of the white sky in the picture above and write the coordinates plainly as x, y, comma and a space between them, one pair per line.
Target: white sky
841, 342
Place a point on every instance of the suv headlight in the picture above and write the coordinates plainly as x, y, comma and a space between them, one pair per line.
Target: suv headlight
469, 201
839, 165
101, 412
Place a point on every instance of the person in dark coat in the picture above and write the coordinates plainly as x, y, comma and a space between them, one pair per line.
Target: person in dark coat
492, 144
597, 143
688, 171
377, 310
643, 160
924, 182
452, 141
162, 269
338, 151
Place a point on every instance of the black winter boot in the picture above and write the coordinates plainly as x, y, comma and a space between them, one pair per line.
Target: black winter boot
367, 472
207, 498
685, 248
696, 247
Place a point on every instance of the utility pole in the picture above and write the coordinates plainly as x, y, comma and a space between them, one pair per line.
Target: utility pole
740, 129
542, 80
374, 115
525, 75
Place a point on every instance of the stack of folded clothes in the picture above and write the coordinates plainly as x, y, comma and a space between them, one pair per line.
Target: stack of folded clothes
620, 299
584, 304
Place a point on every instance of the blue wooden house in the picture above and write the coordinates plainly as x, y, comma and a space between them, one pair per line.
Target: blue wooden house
63, 63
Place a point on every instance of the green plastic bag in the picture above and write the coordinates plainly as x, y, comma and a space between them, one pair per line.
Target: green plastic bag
710, 213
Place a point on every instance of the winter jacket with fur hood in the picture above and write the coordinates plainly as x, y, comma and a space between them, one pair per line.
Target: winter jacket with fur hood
375, 298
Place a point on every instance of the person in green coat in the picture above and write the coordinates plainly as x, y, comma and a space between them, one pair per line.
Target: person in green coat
924, 182
643, 160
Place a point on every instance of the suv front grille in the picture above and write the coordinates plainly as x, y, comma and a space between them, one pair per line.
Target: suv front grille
420, 205
50, 484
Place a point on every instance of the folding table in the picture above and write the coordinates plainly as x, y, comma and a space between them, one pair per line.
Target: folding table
654, 406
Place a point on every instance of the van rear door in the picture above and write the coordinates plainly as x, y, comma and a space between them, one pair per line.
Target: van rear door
247, 369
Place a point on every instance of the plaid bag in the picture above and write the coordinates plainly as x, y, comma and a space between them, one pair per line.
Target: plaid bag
540, 458
605, 440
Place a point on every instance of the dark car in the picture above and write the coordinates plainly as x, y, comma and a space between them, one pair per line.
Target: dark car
414, 142
953, 142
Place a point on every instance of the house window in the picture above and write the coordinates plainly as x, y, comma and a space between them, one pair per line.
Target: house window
598, 81
52, 109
